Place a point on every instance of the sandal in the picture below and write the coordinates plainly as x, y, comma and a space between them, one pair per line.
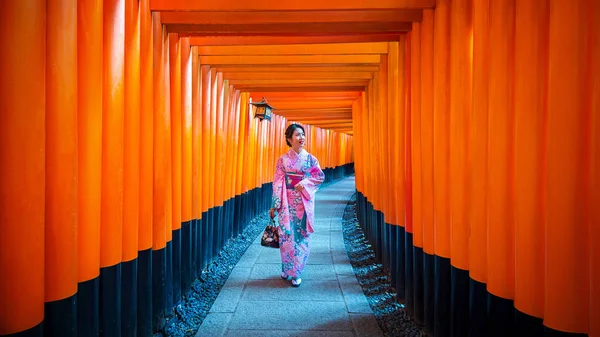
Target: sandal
284, 276
296, 282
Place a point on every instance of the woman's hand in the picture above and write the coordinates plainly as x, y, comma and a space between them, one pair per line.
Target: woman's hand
272, 213
299, 187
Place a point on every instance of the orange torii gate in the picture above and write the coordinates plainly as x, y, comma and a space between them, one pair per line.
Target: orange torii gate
129, 154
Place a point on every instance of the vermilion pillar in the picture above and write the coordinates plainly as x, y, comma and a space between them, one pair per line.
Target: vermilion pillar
111, 227
89, 119
61, 169
131, 169
531, 110
22, 164
567, 194
146, 184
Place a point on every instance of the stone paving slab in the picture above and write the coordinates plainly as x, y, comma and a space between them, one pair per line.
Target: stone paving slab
301, 315
255, 301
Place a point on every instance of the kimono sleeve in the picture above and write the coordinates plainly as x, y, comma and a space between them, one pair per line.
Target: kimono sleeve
312, 183
278, 181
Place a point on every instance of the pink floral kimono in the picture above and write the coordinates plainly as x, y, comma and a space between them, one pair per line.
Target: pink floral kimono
296, 208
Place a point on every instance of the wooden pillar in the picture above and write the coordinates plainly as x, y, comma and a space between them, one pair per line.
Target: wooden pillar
531, 108
159, 221
189, 225
441, 165
417, 172
61, 169
22, 158
146, 201
594, 314
111, 229
89, 142
131, 167
568, 171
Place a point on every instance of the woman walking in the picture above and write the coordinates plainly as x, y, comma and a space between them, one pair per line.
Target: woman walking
297, 179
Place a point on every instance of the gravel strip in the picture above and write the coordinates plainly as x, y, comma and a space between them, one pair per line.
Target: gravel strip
187, 317
375, 283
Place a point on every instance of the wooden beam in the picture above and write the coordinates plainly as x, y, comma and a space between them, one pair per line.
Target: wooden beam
283, 82
309, 120
390, 15
334, 125
292, 59
273, 39
298, 49
296, 75
242, 68
293, 29
304, 95
316, 114
278, 5
311, 104
340, 111
304, 88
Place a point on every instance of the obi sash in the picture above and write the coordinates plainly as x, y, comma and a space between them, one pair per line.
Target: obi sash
292, 179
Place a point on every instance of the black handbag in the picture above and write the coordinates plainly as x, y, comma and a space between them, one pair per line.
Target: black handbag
270, 237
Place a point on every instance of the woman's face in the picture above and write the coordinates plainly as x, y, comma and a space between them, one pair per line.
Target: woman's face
297, 139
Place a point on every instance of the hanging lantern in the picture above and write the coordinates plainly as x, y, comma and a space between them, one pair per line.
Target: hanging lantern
262, 110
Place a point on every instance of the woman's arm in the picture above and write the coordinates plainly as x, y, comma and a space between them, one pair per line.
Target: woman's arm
312, 183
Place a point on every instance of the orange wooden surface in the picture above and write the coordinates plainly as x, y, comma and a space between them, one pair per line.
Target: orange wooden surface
61, 151
568, 169
392, 104
478, 241
168, 127
427, 129
145, 228
22, 152
370, 152
206, 78
198, 200
226, 142
241, 141
291, 59
356, 127
219, 140
407, 135
176, 127
89, 141
186, 132
234, 140
262, 5
270, 16
254, 40
531, 97
461, 76
296, 49
159, 220
441, 127
366, 150
289, 29
594, 315
131, 164
385, 138
501, 151
415, 110
212, 130
113, 77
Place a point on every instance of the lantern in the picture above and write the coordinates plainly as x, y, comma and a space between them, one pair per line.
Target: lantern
262, 110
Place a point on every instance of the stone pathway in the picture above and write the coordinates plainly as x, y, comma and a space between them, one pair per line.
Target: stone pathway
255, 301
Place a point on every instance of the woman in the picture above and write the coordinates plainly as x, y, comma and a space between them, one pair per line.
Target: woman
297, 179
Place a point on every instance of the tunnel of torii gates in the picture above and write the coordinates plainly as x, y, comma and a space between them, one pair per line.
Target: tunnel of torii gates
130, 155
